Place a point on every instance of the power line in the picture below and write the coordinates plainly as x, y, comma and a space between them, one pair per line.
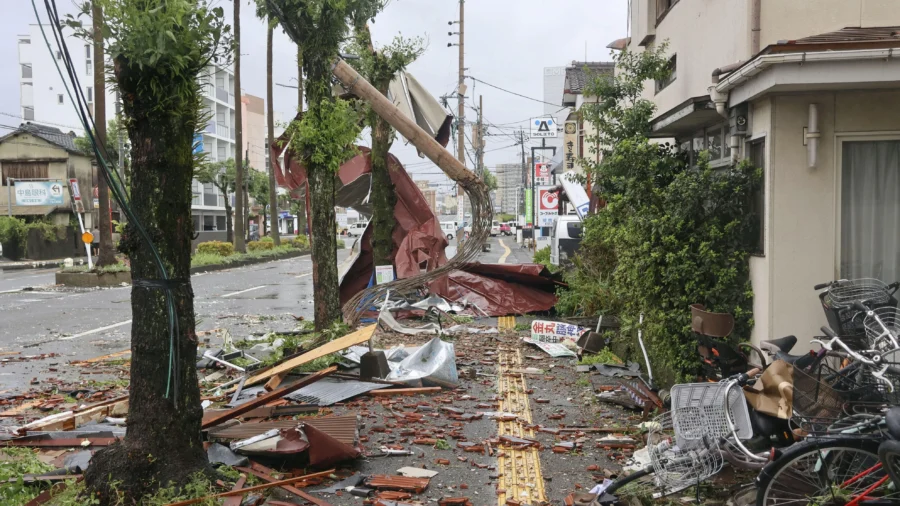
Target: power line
511, 92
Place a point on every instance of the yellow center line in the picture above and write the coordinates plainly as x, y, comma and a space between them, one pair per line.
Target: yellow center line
520, 470
506, 252
506, 322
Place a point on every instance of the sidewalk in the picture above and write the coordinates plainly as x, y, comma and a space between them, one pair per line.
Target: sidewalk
8, 265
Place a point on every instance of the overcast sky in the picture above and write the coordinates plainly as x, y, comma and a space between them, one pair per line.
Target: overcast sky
508, 43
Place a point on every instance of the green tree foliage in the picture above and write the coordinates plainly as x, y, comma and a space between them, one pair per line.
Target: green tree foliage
670, 235
113, 133
490, 180
324, 137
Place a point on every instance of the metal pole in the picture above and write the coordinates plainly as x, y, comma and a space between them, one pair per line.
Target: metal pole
533, 200
9, 183
461, 124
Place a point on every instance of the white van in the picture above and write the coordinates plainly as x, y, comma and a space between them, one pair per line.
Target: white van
565, 238
357, 229
449, 229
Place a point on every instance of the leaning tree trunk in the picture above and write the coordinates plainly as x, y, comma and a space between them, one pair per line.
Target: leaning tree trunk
162, 445
384, 198
323, 241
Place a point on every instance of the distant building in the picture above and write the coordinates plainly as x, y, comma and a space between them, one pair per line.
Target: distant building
577, 133
43, 153
253, 109
509, 187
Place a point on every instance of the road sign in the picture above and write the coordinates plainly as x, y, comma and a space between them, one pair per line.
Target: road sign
38, 193
543, 127
548, 206
76, 193
528, 206
87, 238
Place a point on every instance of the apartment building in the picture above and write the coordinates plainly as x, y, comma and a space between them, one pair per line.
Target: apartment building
510, 182
809, 90
44, 100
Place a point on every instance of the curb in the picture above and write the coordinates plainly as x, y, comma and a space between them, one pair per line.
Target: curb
38, 264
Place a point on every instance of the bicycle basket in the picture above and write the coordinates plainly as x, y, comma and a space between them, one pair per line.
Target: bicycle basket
710, 399
837, 300
883, 329
688, 459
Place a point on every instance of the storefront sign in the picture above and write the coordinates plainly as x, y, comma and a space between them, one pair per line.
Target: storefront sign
38, 193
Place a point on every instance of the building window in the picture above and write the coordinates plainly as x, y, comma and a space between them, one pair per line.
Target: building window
209, 223
757, 156
715, 140
25, 170
90, 93
28, 113
59, 99
196, 220
870, 210
196, 190
24, 41
662, 8
88, 62
220, 223
58, 55
661, 84
26, 71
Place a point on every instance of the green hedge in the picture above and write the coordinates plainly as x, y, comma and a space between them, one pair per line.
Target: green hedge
219, 248
260, 245
14, 235
300, 242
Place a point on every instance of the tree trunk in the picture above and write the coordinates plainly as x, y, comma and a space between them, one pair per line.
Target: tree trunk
299, 79
162, 445
239, 209
107, 253
321, 194
384, 198
270, 134
229, 234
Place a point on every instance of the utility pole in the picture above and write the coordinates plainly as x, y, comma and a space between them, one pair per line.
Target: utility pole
106, 255
524, 176
239, 209
460, 118
480, 127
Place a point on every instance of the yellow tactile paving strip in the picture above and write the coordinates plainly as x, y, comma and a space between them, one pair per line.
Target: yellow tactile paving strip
519, 470
506, 322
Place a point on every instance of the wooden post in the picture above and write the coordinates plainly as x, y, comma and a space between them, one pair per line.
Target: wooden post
419, 138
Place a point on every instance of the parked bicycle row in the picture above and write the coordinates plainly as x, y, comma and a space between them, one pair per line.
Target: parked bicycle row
820, 427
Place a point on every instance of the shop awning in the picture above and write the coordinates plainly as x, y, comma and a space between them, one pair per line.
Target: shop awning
686, 118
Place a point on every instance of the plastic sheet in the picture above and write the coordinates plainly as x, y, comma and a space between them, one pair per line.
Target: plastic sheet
431, 365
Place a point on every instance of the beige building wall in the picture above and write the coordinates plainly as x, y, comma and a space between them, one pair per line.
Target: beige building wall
803, 204
28, 147
254, 129
794, 19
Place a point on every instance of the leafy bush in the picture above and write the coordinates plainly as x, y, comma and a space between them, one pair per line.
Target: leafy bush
341, 244
267, 238
220, 248
12, 237
260, 245
15, 463
671, 234
300, 242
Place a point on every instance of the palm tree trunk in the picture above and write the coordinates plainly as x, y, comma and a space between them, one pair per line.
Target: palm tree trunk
107, 253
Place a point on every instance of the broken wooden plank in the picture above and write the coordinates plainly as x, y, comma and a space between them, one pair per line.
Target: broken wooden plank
48, 494
63, 443
274, 381
24, 407
236, 500
254, 488
69, 420
264, 399
405, 391
102, 358
294, 490
360, 336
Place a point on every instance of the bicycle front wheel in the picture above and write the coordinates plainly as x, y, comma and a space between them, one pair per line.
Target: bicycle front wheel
831, 472
889, 452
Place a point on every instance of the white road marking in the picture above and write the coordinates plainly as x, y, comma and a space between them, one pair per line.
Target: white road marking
303, 275
505, 253
243, 291
89, 332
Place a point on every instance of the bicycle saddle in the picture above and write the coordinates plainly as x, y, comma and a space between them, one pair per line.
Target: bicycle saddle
892, 419
800, 361
784, 344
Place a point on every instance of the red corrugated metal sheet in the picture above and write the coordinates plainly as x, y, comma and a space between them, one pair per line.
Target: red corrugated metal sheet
343, 428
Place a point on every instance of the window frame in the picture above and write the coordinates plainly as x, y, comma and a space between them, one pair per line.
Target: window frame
662, 15
763, 191
659, 86
839, 140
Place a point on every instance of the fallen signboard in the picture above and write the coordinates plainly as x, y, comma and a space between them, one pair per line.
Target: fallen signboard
555, 350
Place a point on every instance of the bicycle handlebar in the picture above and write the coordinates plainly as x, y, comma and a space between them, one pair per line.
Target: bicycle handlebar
829, 345
859, 306
828, 332
822, 285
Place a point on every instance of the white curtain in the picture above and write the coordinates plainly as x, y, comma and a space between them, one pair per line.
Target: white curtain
870, 210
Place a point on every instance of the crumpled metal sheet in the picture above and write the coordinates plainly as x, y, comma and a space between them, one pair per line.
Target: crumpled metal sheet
431, 365
328, 391
500, 289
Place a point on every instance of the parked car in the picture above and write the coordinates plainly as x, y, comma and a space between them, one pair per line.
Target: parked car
357, 229
505, 229
449, 229
495, 228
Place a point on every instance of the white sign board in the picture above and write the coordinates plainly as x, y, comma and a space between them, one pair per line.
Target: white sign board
384, 274
577, 196
548, 206
554, 332
38, 193
543, 128
555, 350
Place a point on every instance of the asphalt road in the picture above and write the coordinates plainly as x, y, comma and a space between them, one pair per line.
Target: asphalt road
37, 317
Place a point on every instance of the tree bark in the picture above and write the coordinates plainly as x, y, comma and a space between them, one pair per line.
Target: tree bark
239, 209
229, 234
384, 198
299, 79
270, 134
107, 253
162, 446
323, 241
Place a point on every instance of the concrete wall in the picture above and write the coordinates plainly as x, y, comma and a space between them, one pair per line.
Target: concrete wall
802, 225
254, 130
795, 19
